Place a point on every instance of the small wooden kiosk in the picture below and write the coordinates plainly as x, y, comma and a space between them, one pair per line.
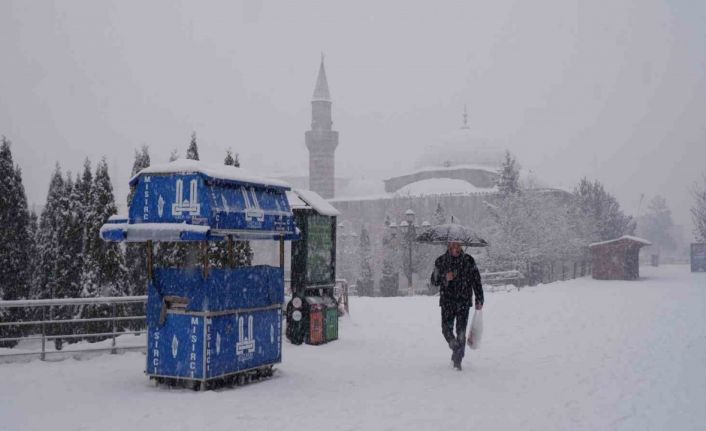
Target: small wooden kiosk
617, 259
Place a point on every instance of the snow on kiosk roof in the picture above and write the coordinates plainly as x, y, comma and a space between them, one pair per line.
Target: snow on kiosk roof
299, 198
171, 200
215, 172
624, 238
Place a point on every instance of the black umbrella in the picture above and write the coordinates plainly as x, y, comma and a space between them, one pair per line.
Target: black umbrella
452, 232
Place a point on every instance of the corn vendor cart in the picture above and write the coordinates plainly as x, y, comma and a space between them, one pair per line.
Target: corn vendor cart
312, 313
209, 324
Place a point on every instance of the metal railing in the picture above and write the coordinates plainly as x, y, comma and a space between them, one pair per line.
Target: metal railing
43, 324
42, 313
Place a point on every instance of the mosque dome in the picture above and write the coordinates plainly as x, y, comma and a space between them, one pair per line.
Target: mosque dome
461, 147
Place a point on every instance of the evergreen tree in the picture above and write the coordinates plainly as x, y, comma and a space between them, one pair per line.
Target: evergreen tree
596, 214
104, 263
389, 283
365, 283
47, 240
509, 176
174, 155
657, 225
15, 244
439, 215
56, 265
698, 211
193, 151
136, 253
229, 160
142, 161
73, 235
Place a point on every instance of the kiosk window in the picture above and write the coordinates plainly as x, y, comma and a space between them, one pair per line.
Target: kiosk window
319, 250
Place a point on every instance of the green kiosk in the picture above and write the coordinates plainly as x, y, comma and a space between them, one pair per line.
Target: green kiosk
312, 313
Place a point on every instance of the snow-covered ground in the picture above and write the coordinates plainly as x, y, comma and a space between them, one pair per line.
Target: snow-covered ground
577, 355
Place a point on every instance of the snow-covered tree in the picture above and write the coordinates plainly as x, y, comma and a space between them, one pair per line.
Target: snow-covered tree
657, 225
509, 176
389, 282
136, 253
365, 283
698, 210
104, 264
193, 151
174, 155
15, 240
229, 160
14, 229
439, 215
596, 214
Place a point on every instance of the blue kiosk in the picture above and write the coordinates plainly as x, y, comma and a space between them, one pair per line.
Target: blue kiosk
208, 324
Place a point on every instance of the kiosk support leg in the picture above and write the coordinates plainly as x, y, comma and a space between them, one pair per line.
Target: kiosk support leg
149, 250
231, 253
204, 256
281, 251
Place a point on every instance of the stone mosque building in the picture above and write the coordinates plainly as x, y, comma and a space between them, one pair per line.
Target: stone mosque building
458, 172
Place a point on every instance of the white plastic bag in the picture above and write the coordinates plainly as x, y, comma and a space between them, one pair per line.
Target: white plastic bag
476, 332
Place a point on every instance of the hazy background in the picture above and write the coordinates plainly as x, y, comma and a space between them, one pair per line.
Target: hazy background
614, 90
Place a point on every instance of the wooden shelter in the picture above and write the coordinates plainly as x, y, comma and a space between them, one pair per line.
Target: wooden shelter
617, 259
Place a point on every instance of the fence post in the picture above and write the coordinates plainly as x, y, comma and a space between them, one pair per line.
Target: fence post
113, 350
42, 356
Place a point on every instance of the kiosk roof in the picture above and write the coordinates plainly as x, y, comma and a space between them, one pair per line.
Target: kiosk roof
218, 172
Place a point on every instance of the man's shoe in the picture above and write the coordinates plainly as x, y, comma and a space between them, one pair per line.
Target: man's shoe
457, 365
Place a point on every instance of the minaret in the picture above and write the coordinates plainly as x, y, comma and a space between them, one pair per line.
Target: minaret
321, 140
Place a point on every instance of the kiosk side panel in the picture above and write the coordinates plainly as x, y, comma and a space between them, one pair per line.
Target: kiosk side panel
176, 348
244, 341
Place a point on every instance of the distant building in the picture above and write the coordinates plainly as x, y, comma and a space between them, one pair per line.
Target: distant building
321, 140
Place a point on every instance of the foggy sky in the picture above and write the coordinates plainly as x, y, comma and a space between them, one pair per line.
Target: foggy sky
612, 90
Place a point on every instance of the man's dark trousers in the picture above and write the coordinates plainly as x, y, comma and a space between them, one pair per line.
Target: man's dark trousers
459, 313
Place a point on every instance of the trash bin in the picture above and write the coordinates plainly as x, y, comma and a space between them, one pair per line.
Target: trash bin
296, 321
317, 309
331, 321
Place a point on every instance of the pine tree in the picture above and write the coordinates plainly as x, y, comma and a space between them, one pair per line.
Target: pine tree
389, 283
193, 151
104, 262
142, 161
596, 214
174, 155
439, 215
47, 243
55, 263
229, 160
136, 253
15, 243
509, 176
365, 283
698, 211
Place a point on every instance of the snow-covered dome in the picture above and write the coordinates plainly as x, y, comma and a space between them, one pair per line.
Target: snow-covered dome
440, 186
461, 147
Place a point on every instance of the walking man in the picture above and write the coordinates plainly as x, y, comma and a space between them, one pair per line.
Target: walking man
457, 276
